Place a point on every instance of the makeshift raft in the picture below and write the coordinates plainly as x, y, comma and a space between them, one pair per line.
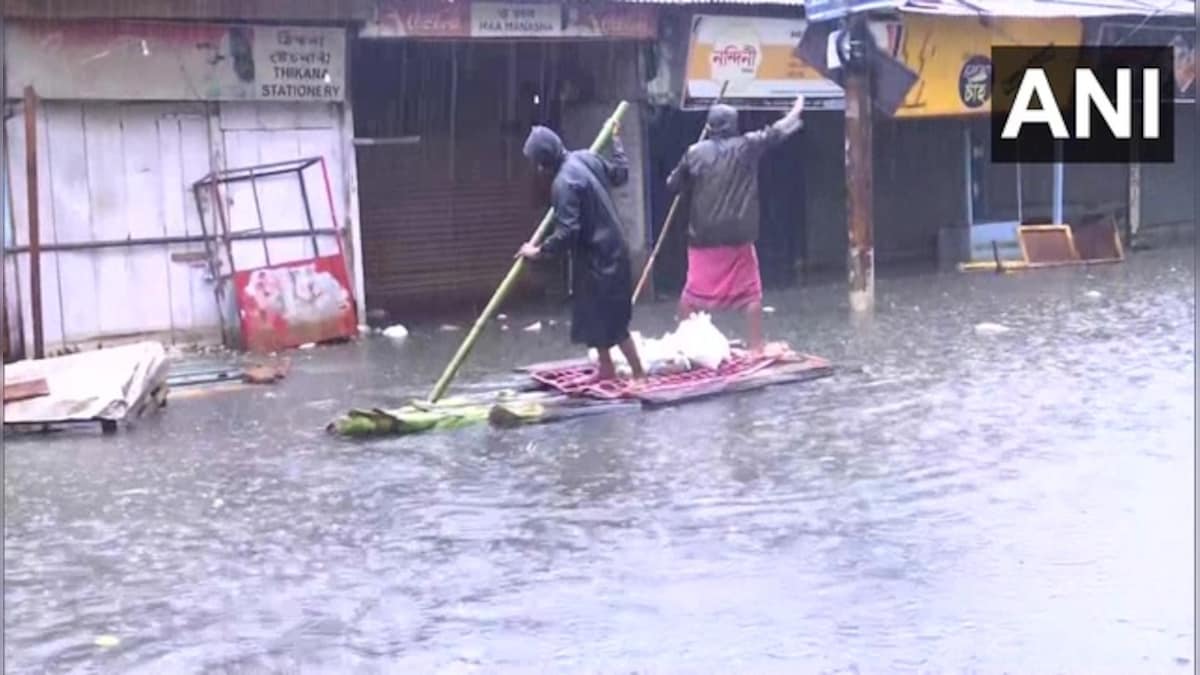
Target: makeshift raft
568, 389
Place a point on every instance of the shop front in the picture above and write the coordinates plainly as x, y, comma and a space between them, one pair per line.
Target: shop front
750, 57
128, 116
447, 93
939, 143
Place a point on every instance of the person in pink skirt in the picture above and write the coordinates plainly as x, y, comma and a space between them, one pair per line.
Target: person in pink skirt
719, 180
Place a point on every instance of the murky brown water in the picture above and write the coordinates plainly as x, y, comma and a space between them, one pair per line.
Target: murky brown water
1020, 502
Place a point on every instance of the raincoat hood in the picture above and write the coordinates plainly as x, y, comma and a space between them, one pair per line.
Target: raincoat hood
544, 148
722, 121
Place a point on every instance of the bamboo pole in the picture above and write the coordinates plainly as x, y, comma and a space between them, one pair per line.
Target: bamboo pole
502, 291
662, 234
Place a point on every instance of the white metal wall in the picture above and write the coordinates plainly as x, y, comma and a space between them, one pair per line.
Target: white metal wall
124, 171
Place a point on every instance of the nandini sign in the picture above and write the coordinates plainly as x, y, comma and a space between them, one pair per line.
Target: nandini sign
1083, 104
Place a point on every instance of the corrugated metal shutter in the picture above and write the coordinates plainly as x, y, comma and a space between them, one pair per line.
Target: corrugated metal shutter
431, 240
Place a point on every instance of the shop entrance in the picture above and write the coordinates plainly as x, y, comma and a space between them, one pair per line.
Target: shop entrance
781, 198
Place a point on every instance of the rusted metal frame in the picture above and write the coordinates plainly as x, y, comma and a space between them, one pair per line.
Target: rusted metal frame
308, 214
262, 227
261, 170
176, 239
32, 201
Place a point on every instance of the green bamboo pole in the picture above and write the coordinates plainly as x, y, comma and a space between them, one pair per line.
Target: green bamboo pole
468, 343
662, 234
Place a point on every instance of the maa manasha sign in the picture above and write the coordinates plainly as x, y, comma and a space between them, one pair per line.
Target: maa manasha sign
528, 20
125, 60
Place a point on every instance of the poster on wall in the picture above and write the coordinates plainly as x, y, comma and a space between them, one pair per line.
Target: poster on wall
127, 60
756, 57
510, 20
1182, 40
952, 57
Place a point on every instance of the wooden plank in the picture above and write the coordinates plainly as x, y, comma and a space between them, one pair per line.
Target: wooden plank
107, 192
785, 374
148, 266
20, 391
72, 209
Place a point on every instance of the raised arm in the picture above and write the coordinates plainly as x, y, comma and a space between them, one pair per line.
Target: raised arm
778, 132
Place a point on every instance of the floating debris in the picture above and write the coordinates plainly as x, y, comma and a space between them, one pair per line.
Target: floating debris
363, 328
266, 373
1093, 295
308, 345
395, 332
986, 328
768, 310
107, 641
502, 317
533, 327
449, 328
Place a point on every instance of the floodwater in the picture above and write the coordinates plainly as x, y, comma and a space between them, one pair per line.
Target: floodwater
1020, 502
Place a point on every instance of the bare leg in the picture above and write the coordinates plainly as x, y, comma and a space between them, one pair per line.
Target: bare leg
629, 349
684, 311
607, 370
754, 329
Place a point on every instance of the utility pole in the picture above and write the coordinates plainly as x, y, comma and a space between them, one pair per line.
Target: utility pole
860, 212
859, 169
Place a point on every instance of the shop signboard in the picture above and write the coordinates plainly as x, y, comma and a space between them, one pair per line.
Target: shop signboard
756, 57
511, 20
128, 60
952, 57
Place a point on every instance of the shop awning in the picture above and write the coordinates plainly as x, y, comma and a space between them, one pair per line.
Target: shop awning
1046, 9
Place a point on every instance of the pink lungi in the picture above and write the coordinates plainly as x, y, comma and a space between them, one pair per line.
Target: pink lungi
722, 277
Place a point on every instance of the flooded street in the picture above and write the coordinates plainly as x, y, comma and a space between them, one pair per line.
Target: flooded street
1012, 502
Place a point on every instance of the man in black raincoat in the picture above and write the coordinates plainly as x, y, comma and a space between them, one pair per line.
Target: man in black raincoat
588, 225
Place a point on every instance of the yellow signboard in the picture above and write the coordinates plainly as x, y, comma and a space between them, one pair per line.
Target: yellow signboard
952, 57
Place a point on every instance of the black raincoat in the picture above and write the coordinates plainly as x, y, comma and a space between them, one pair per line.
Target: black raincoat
719, 179
587, 224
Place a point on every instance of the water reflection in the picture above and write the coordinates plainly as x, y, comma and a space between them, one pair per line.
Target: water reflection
1017, 502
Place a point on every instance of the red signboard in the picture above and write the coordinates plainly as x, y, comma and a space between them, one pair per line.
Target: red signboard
295, 303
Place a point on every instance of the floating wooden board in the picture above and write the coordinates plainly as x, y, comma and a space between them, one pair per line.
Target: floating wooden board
1047, 244
20, 391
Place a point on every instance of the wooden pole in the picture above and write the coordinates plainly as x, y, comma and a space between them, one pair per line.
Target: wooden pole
859, 190
35, 239
439, 389
662, 234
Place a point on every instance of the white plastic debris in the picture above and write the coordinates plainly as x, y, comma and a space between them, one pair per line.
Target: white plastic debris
533, 327
768, 310
308, 345
986, 328
107, 641
700, 341
395, 332
448, 328
696, 342
502, 317
1093, 295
